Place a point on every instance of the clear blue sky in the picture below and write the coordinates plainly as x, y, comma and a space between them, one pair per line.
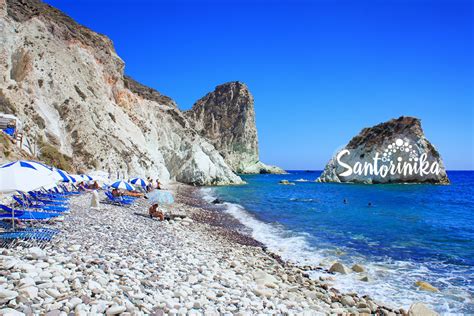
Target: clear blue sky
320, 71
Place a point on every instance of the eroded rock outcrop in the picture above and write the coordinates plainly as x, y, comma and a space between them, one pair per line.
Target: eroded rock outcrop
396, 151
66, 83
226, 117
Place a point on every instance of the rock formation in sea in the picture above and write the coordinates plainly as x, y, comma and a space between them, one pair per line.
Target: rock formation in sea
67, 84
226, 117
396, 151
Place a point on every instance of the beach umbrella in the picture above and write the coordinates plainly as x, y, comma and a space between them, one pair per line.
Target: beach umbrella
122, 185
85, 177
23, 176
41, 167
139, 181
160, 197
66, 177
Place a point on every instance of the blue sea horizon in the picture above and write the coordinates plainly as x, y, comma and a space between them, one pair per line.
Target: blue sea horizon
409, 233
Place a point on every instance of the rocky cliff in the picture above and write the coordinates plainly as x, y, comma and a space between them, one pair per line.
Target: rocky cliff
226, 117
67, 84
396, 151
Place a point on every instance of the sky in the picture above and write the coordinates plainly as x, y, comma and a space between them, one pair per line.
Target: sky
320, 71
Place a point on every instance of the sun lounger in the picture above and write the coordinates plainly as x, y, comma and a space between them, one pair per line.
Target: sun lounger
9, 213
38, 198
67, 192
118, 199
42, 234
42, 206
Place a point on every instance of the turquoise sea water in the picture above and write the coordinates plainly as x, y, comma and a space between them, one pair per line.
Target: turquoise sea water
409, 233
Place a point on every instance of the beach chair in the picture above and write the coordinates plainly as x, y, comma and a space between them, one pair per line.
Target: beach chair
25, 215
120, 200
37, 234
52, 196
67, 192
42, 206
38, 198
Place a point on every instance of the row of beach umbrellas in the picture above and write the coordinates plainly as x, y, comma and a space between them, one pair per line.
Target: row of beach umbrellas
157, 196
26, 176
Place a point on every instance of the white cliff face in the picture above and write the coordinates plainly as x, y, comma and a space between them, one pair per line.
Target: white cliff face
399, 143
226, 117
66, 84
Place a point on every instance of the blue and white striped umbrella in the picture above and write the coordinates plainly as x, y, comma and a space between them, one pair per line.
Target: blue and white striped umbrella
23, 176
139, 181
66, 176
51, 171
86, 177
122, 185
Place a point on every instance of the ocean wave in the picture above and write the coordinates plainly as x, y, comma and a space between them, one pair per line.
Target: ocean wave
391, 282
302, 180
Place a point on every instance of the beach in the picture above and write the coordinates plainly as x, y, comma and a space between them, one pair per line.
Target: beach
113, 261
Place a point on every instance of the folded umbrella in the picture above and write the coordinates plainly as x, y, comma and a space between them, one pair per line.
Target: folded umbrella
160, 197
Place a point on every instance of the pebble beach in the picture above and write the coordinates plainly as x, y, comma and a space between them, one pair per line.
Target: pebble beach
116, 260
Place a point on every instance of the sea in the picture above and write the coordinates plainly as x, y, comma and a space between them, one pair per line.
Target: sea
400, 233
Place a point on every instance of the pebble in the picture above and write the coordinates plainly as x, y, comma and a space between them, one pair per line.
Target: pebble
426, 286
420, 309
115, 310
339, 268
10, 312
358, 268
7, 295
348, 300
37, 253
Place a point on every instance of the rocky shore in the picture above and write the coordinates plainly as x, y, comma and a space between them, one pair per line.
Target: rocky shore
113, 261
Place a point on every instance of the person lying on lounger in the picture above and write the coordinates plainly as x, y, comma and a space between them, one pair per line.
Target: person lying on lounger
116, 193
155, 212
81, 186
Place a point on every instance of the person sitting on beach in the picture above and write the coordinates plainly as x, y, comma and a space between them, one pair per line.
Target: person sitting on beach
158, 184
153, 211
95, 186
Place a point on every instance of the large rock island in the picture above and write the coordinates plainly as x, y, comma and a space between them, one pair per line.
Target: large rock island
226, 117
396, 151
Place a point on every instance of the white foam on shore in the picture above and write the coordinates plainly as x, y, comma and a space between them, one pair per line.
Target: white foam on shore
274, 236
391, 282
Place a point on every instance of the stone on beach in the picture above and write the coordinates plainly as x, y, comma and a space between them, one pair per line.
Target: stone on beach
358, 268
348, 300
26, 282
37, 253
425, 286
7, 295
339, 268
115, 310
420, 309
10, 312
29, 292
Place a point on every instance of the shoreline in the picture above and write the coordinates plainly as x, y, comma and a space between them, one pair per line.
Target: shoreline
111, 261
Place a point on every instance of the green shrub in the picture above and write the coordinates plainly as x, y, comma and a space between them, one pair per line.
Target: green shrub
50, 155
